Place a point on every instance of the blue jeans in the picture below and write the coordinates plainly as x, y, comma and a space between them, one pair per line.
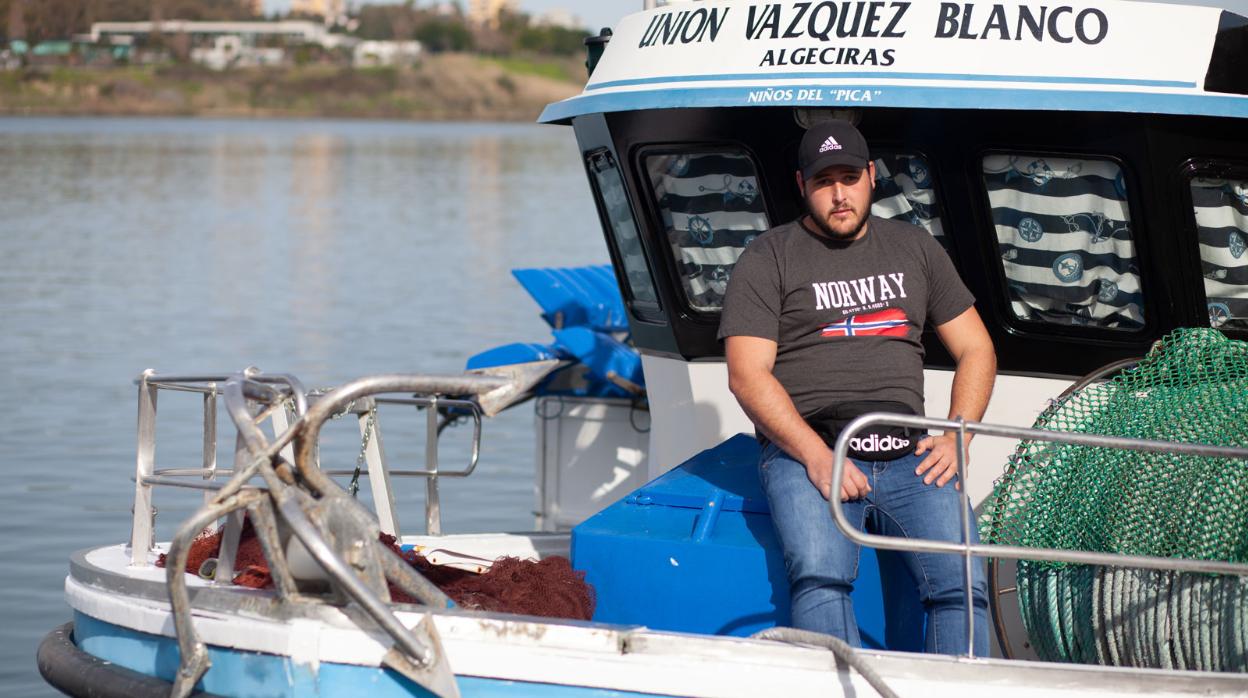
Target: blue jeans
822, 563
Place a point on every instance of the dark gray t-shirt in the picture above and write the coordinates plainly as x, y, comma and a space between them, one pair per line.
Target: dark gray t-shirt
847, 317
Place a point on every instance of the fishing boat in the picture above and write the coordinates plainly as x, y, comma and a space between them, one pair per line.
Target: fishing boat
1084, 166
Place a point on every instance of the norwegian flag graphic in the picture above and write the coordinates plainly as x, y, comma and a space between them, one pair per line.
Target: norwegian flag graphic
891, 323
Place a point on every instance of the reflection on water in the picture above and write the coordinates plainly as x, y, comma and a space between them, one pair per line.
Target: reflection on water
326, 249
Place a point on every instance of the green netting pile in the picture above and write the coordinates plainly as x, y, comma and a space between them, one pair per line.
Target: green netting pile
1192, 387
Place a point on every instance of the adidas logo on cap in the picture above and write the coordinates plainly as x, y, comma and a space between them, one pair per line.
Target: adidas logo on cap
829, 144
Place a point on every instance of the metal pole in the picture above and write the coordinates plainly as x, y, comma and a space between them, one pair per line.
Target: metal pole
433, 508
153, 377
379, 473
281, 422
210, 438
963, 465
145, 465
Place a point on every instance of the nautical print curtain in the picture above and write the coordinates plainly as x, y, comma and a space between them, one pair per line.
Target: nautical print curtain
904, 191
1221, 207
1064, 233
711, 208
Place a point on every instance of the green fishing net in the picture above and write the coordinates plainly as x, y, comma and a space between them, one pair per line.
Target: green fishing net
1192, 387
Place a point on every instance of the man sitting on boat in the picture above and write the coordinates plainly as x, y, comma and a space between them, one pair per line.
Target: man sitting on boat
822, 320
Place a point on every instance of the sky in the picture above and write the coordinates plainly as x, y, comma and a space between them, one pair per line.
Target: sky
594, 13
605, 13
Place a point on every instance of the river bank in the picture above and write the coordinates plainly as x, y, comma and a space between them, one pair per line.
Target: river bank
443, 87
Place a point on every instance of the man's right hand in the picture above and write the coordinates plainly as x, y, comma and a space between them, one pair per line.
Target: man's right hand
751, 361
853, 482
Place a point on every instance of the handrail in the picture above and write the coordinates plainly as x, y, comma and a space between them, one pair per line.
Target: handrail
338, 398
177, 382
249, 382
429, 387
206, 485
967, 549
432, 404
280, 389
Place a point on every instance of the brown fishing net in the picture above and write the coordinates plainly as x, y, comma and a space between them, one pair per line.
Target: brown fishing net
253, 568
549, 588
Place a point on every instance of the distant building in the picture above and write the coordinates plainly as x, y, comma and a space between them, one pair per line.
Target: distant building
445, 9
488, 12
371, 54
559, 17
221, 45
229, 51
290, 31
10, 58
256, 7
333, 11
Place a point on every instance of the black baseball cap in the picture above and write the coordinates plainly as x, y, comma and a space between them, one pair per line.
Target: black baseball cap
830, 143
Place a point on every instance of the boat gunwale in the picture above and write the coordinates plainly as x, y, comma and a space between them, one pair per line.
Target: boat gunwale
627, 647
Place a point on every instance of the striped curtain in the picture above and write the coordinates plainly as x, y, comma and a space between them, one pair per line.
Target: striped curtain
1063, 229
711, 208
1221, 207
904, 192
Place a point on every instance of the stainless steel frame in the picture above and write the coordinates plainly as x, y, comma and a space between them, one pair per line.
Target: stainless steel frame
379, 473
968, 550
300, 500
146, 474
282, 392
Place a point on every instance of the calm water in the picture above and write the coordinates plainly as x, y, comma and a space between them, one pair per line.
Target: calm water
326, 249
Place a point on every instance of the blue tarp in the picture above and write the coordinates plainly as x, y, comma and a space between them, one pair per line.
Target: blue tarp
585, 311
576, 297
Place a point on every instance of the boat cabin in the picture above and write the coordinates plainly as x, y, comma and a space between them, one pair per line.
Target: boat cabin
1084, 168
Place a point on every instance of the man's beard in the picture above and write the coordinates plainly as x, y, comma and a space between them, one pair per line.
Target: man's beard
832, 234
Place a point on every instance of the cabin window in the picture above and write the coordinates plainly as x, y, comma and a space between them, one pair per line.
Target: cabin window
1221, 208
904, 191
1063, 230
613, 202
710, 207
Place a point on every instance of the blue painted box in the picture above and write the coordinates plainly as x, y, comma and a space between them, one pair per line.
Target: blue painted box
694, 551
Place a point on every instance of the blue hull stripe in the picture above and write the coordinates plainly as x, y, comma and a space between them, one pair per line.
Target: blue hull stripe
240, 673
890, 96
863, 75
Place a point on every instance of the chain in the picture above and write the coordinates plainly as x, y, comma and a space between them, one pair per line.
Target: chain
354, 487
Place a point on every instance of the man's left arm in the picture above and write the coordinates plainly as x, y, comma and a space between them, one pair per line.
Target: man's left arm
968, 342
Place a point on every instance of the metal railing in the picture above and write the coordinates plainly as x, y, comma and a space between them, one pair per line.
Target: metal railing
970, 550
281, 397
211, 386
379, 473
